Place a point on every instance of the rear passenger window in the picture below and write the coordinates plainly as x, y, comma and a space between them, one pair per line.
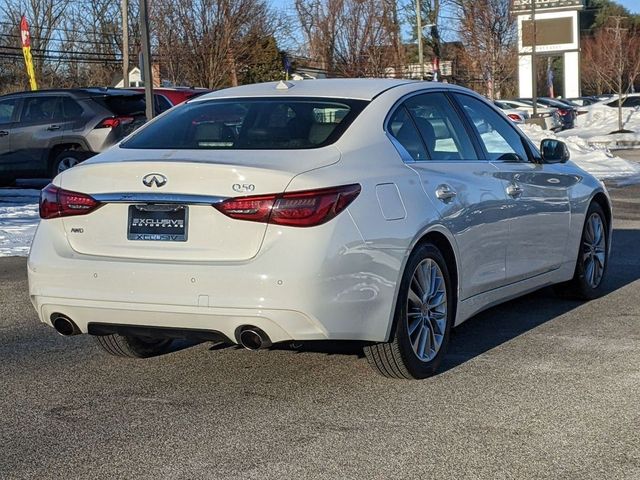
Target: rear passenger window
440, 126
41, 109
404, 131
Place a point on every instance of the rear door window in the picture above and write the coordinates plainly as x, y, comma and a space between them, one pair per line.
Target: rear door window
442, 130
261, 124
403, 129
41, 109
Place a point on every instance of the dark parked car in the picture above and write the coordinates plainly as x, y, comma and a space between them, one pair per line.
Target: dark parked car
45, 132
567, 112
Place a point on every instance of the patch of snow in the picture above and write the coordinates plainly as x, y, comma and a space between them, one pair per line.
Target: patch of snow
18, 220
598, 161
597, 124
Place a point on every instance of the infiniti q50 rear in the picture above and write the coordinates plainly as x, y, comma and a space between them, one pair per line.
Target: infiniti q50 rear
379, 211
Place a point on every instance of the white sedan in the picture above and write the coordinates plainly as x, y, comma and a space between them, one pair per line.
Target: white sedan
549, 115
382, 211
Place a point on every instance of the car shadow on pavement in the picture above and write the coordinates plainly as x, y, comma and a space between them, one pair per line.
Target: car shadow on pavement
507, 321
504, 322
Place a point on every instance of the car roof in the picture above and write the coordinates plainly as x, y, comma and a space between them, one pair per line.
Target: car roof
79, 92
353, 88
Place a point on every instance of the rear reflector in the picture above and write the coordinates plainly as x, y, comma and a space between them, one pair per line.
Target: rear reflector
113, 122
56, 202
306, 208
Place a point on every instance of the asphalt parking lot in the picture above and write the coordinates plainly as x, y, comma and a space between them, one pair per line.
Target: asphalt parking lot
540, 387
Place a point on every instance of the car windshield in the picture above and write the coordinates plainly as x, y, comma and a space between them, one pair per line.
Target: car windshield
249, 123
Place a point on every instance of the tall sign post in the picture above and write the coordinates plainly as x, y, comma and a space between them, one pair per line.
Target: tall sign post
26, 52
548, 28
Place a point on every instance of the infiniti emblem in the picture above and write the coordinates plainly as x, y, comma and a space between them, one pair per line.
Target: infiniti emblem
156, 179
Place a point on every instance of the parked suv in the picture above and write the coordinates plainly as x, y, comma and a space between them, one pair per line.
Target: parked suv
45, 132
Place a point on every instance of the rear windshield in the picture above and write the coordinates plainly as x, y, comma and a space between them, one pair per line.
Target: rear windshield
123, 104
260, 124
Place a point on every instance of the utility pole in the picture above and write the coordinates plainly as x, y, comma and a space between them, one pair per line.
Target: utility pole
419, 35
146, 58
125, 43
534, 73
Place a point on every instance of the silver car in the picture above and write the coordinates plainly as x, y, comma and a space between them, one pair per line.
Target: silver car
45, 132
382, 211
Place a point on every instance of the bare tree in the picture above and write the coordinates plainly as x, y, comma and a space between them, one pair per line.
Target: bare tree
352, 38
488, 31
210, 42
43, 16
612, 57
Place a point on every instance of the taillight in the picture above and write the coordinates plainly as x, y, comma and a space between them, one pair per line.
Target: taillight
56, 202
515, 117
113, 122
562, 111
295, 209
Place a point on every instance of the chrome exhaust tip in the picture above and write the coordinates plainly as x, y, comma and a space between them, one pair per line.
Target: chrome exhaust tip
253, 338
64, 325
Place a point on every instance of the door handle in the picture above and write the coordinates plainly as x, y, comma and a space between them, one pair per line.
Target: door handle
3, 133
445, 193
53, 127
514, 190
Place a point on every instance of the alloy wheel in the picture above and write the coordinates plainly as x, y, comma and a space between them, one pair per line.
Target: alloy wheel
66, 163
427, 310
593, 250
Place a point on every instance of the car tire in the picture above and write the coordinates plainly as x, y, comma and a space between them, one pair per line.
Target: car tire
588, 279
67, 159
133, 347
418, 319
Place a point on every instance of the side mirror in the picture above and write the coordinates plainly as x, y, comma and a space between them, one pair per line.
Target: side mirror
554, 151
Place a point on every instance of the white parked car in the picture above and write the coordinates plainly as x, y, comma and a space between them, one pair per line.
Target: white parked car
550, 115
515, 115
383, 211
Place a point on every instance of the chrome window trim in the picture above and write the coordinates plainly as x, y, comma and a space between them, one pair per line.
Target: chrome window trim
162, 198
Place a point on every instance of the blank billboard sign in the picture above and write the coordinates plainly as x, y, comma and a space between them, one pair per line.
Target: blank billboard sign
551, 31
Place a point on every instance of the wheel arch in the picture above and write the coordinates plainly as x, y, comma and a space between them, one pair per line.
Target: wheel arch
442, 239
58, 148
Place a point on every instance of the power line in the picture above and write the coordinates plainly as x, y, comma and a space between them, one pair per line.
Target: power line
62, 29
90, 42
69, 52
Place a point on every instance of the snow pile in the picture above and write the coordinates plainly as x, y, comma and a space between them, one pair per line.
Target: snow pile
18, 220
597, 124
598, 161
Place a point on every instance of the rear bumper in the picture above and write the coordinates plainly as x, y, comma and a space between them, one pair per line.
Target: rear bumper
320, 283
280, 325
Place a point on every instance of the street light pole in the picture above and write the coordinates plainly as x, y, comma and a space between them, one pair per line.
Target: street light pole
146, 58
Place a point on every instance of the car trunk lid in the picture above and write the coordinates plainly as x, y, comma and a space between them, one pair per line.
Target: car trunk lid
196, 183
